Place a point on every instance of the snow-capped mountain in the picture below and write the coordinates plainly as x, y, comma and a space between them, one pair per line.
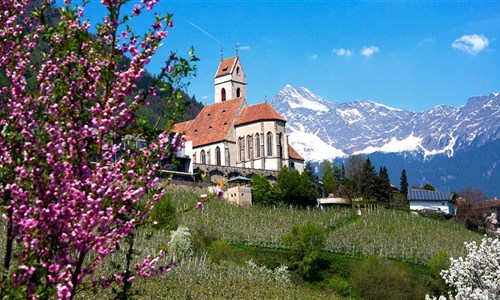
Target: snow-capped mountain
320, 129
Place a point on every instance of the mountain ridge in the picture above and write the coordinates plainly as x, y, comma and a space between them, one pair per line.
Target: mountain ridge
430, 141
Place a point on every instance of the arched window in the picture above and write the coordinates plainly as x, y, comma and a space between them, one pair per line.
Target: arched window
257, 145
250, 146
203, 157
217, 156
237, 70
241, 142
194, 157
208, 157
238, 92
269, 144
279, 146
223, 94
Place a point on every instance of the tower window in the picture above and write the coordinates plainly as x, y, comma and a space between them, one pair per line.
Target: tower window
238, 91
223, 94
237, 70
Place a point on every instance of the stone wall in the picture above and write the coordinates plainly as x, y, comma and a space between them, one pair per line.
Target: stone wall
214, 172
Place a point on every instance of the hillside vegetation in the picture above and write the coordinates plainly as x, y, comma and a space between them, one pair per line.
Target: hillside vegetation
389, 233
225, 237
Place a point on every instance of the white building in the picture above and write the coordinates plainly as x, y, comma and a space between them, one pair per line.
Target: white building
424, 200
234, 134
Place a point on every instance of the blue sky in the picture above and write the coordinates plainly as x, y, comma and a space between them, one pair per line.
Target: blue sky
407, 54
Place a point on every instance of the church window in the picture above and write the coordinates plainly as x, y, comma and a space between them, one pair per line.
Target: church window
194, 157
269, 144
250, 146
241, 142
279, 145
208, 157
237, 70
203, 157
257, 145
238, 92
217, 156
223, 94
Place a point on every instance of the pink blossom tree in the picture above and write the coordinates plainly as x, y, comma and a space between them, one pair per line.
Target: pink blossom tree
70, 191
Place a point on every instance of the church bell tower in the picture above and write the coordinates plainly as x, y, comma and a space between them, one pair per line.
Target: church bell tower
230, 81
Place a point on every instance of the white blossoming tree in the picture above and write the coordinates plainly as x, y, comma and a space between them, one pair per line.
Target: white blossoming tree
477, 276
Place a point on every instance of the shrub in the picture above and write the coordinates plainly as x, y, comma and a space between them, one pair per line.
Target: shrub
306, 242
340, 285
374, 273
221, 250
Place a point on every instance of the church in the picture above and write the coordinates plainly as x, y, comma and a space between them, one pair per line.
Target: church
231, 133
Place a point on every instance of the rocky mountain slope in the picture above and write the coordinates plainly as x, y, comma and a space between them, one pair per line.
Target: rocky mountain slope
321, 129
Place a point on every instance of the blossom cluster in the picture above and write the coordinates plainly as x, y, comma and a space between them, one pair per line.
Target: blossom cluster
68, 186
477, 276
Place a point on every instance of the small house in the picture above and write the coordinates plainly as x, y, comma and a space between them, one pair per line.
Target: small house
432, 201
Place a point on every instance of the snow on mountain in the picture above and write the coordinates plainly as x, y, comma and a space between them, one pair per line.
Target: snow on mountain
367, 127
302, 98
411, 143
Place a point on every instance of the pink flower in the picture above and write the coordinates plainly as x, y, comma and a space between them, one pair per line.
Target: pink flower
204, 197
200, 205
219, 193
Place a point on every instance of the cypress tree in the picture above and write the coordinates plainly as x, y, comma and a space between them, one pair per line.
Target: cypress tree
368, 180
384, 186
404, 183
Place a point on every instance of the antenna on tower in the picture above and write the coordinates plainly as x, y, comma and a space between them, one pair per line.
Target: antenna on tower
221, 53
265, 98
237, 47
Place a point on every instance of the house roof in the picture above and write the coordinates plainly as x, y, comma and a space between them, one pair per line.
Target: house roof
257, 113
425, 195
213, 122
226, 66
294, 154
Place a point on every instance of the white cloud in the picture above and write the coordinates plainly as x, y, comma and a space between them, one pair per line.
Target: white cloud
369, 51
472, 44
314, 56
342, 52
244, 48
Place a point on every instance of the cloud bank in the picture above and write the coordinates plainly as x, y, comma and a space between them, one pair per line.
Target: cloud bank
342, 52
471, 44
369, 51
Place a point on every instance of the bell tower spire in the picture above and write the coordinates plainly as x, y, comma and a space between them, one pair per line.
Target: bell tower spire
230, 81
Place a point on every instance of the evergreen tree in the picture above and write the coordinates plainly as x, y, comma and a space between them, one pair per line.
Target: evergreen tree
342, 172
404, 183
368, 181
384, 186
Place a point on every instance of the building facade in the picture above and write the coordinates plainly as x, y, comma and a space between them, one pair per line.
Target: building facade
232, 133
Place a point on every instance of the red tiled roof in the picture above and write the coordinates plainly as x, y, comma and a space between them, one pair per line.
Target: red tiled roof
294, 154
213, 123
226, 66
182, 127
259, 112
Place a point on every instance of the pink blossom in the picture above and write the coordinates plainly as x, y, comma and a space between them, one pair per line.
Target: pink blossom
200, 205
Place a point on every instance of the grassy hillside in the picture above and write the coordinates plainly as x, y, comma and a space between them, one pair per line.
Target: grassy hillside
226, 237
389, 233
